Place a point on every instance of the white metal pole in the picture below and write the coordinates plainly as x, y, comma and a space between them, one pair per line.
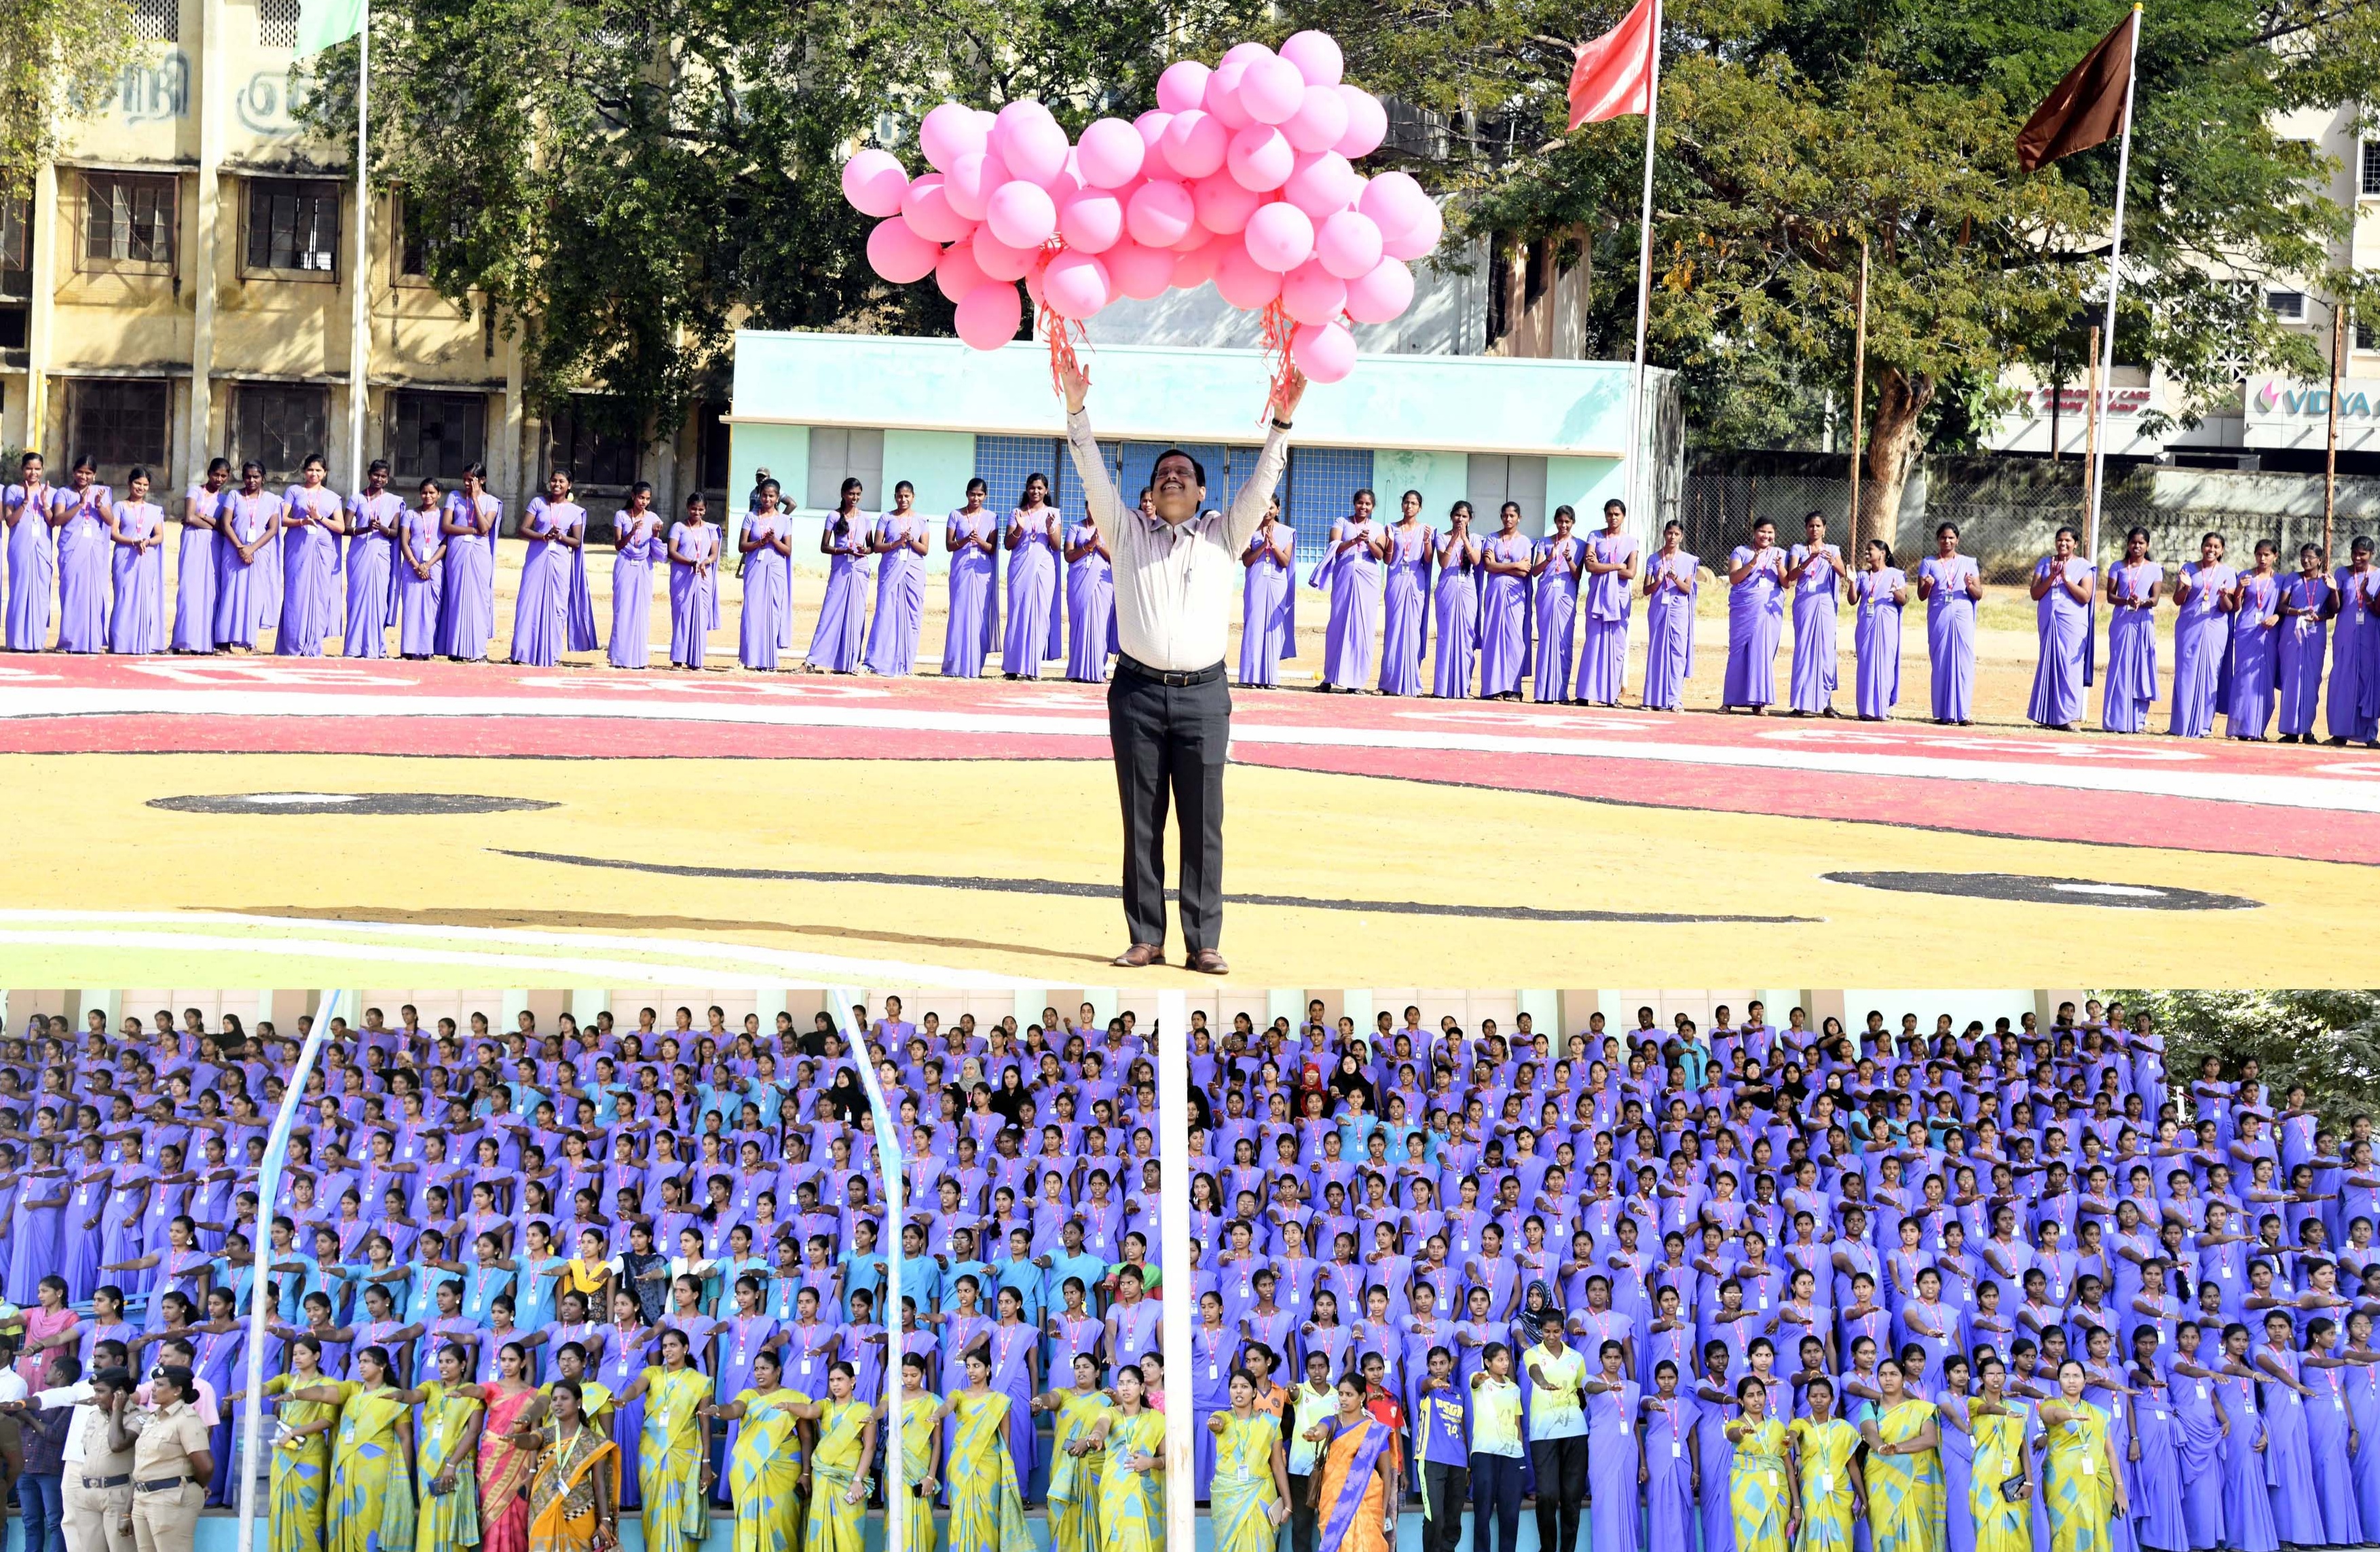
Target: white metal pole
360, 305
1179, 1287
1638, 515
2115, 277
268, 1186
887, 1125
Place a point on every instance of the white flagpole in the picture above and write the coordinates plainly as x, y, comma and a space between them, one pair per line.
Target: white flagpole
1179, 1293
359, 315
1644, 283
886, 1124
2108, 333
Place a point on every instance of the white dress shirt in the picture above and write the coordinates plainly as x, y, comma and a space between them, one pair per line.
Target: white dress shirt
1174, 582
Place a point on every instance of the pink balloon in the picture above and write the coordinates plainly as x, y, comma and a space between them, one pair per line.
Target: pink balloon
1093, 220
970, 181
1348, 245
998, 259
985, 118
1160, 214
1029, 141
899, 254
1243, 281
1394, 200
1074, 285
1243, 53
1418, 240
948, 133
1197, 267
1367, 123
957, 272
1322, 185
1224, 205
1324, 352
1183, 85
1138, 272
988, 315
1317, 56
1320, 119
1021, 214
1223, 94
1311, 294
1261, 158
873, 181
1381, 296
1111, 154
1280, 237
1194, 144
926, 206
1272, 90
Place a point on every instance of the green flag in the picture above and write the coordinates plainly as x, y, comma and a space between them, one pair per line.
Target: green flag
321, 23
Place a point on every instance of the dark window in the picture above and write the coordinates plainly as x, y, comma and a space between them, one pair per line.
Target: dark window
2371, 184
120, 424
711, 446
435, 435
293, 226
414, 239
129, 221
2367, 336
157, 22
2285, 304
276, 24
1500, 287
16, 249
582, 442
279, 425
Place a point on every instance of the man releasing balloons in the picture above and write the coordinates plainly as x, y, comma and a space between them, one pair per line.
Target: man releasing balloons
1242, 175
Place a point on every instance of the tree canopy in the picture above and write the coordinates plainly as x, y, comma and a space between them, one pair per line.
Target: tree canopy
59, 59
2327, 1040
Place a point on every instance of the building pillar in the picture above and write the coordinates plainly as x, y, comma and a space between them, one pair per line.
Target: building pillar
1544, 1007
514, 1004
1356, 1003
105, 1001
45, 239
1287, 1002
588, 1001
508, 445
1030, 1001
199, 444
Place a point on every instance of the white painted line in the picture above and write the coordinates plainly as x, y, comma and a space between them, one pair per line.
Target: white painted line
2314, 792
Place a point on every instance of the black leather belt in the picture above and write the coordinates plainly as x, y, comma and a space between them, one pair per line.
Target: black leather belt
161, 1485
100, 1484
1175, 678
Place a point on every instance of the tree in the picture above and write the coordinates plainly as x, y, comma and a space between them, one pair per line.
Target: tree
2327, 1040
59, 60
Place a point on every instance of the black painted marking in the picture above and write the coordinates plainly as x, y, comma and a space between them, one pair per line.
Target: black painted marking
1109, 891
2035, 889
380, 805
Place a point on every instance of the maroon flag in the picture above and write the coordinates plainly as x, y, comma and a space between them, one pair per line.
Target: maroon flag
2087, 107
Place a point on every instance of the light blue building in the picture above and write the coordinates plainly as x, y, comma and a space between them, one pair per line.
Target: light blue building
812, 409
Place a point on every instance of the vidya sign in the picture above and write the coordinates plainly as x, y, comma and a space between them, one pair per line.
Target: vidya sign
2284, 413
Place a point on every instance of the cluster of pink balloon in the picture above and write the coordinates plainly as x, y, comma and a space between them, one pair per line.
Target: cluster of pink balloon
1242, 175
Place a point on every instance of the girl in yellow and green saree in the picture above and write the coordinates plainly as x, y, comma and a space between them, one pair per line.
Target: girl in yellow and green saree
1250, 1495
1826, 1450
840, 1463
449, 1521
1761, 1491
1354, 1483
1997, 1422
672, 1467
1130, 1442
301, 1452
922, 1435
986, 1509
371, 1458
765, 1469
574, 1493
1904, 1467
1073, 1463
2085, 1483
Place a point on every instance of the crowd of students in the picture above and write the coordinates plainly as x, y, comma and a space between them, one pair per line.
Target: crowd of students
2258, 647
1738, 1287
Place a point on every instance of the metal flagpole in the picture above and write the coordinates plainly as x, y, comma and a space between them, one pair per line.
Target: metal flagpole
1180, 1285
359, 309
889, 1165
1644, 281
2106, 354
268, 1186
2330, 430
1859, 396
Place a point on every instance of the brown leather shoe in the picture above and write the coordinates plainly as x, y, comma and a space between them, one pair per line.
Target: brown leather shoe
1207, 961
1140, 956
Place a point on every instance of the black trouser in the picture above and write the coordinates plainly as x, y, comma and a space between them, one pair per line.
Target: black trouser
1443, 1489
1302, 1518
1562, 1491
1169, 742
1496, 1498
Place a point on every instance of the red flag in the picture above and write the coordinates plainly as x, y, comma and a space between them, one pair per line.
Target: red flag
2084, 110
1613, 76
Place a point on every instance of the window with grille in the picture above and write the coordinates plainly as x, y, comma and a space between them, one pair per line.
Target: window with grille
1323, 485
435, 435
16, 250
577, 441
119, 424
713, 448
276, 24
416, 238
2367, 336
160, 21
838, 453
2371, 181
278, 425
129, 221
2285, 304
293, 226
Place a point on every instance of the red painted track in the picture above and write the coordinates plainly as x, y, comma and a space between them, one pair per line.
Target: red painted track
62, 706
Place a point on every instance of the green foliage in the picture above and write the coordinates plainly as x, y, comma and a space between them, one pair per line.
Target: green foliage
2327, 1040
59, 60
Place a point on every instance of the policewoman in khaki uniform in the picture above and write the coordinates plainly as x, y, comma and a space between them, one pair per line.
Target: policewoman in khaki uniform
170, 1461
